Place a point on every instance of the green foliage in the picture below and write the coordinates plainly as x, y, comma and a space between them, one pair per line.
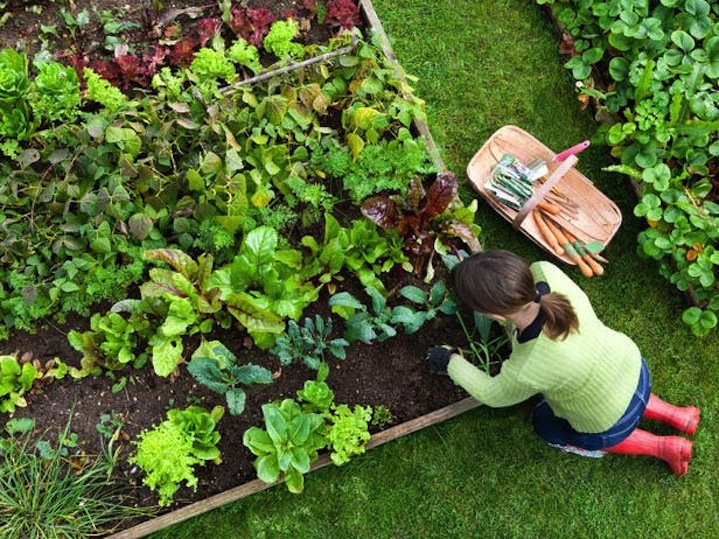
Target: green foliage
279, 40
316, 396
169, 452
296, 430
348, 432
164, 453
361, 324
246, 55
58, 93
437, 301
289, 444
309, 343
210, 64
380, 320
486, 340
101, 91
382, 417
663, 70
199, 425
214, 366
111, 342
16, 379
15, 120
164, 171
385, 166
262, 286
363, 248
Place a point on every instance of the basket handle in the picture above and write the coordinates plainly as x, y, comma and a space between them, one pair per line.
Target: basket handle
539, 194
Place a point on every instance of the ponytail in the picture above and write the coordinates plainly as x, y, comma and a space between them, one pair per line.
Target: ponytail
500, 282
560, 318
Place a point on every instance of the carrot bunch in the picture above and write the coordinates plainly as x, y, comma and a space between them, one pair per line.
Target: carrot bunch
563, 242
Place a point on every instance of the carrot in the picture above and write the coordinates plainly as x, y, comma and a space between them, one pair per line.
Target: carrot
593, 264
549, 207
569, 249
546, 232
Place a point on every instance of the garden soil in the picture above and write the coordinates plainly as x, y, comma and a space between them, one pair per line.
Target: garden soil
392, 373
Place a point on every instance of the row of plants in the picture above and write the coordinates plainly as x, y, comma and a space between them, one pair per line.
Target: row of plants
653, 67
106, 41
104, 177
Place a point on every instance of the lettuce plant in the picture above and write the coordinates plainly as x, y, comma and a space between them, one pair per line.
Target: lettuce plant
56, 92
348, 432
279, 42
288, 445
169, 452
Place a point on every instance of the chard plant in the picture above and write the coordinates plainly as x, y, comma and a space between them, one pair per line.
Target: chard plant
424, 216
261, 287
215, 367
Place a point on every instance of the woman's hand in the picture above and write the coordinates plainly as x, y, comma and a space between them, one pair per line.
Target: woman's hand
438, 358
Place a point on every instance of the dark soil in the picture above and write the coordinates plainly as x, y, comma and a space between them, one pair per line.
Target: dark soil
393, 373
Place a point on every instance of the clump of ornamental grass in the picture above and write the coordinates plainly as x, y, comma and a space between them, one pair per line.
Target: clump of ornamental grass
47, 493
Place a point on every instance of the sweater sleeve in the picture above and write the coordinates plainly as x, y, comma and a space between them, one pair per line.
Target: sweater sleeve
505, 389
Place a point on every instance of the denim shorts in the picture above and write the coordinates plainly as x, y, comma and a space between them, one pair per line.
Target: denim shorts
557, 431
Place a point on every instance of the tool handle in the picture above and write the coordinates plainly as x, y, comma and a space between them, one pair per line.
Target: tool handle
561, 156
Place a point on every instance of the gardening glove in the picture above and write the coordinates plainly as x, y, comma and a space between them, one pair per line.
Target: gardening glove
438, 358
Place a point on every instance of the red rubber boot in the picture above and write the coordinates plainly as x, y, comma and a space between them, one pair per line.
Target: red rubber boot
675, 450
683, 418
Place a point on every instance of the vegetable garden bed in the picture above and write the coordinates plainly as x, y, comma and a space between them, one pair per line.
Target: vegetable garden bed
111, 403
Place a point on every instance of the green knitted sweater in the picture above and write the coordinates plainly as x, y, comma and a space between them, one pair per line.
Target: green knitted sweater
588, 379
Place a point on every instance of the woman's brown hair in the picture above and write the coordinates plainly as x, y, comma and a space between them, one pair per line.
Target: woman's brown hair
500, 282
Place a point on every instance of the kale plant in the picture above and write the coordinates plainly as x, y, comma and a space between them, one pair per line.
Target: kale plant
309, 343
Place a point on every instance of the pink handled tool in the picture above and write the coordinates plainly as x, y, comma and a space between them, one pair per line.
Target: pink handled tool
561, 156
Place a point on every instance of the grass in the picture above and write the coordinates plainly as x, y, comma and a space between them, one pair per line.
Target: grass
483, 64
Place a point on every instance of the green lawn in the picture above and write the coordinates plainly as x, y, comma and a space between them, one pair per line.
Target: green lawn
482, 64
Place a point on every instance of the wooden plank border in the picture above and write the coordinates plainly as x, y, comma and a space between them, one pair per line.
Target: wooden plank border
232, 495
247, 489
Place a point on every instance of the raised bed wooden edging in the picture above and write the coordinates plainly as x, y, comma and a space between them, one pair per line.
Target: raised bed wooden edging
213, 502
433, 418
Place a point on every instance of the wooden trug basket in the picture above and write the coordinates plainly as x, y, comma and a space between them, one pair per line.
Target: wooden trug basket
597, 219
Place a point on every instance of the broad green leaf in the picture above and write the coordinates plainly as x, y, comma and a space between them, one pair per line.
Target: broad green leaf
235, 401
275, 423
176, 259
258, 441
253, 374
295, 481
414, 294
268, 469
166, 354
